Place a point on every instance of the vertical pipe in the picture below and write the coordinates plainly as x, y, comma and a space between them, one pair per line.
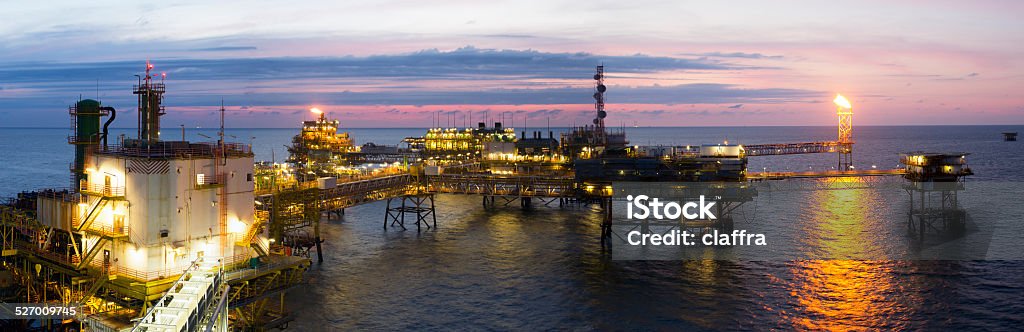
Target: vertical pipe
319, 248
106, 125
387, 213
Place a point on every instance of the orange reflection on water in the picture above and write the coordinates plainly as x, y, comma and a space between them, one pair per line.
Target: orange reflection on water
843, 295
846, 295
840, 225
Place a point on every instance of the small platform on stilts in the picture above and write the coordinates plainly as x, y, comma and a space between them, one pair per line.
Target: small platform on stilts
421, 205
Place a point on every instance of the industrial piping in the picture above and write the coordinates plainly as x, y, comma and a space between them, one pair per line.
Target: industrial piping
113, 114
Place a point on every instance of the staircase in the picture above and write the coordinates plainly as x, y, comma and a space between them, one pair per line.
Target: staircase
260, 250
250, 239
98, 282
187, 304
84, 223
256, 228
89, 256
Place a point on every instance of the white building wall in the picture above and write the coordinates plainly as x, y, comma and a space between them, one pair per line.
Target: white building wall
721, 151
173, 202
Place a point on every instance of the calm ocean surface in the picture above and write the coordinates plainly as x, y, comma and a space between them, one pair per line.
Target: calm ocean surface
543, 268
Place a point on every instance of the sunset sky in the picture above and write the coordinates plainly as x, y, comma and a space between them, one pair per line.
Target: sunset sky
401, 63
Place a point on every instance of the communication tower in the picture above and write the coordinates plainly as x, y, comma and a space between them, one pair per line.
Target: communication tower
599, 132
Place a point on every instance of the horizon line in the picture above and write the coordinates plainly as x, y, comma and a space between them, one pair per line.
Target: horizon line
610, 127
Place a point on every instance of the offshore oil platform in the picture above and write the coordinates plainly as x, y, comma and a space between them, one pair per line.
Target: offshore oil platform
154, 235
161, 235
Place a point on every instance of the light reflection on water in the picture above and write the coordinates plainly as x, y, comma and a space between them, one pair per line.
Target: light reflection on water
840, 295
507, 268
840, 221
844, 295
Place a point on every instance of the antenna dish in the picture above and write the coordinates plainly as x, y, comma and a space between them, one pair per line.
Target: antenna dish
601, 88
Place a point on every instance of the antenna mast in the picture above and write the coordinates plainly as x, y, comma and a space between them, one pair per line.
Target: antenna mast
221, 133
599, 132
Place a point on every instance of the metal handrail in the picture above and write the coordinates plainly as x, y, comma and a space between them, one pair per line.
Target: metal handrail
108, 230
222, 307
102, 189
245, 272
200, 149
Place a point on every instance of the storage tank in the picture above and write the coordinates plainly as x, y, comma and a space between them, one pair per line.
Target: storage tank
86, 114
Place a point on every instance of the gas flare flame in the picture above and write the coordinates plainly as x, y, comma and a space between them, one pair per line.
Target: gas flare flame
842, 102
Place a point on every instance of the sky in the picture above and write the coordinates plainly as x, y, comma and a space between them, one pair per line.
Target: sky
410, 63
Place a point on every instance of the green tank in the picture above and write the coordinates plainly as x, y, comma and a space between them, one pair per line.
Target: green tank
87, 115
